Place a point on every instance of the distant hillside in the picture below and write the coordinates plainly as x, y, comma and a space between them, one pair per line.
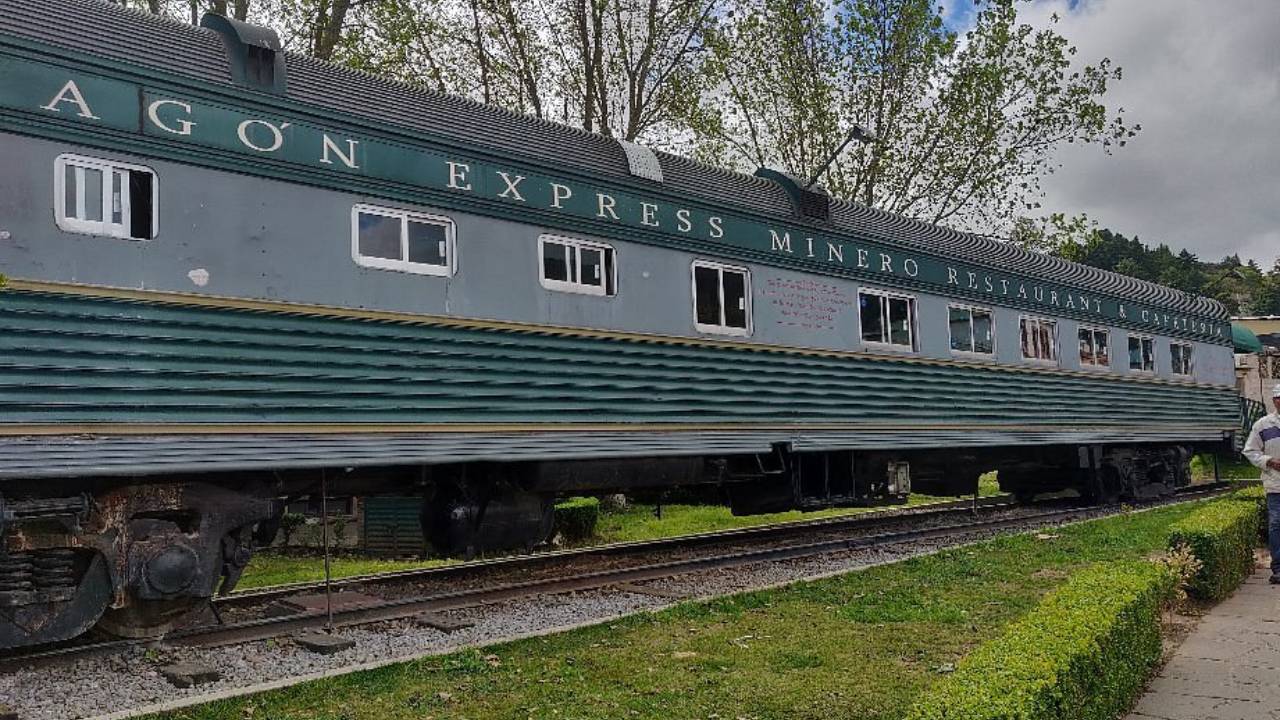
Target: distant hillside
1246, 289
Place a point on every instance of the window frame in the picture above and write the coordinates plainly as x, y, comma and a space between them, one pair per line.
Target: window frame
1191, 365
1055, 338
103, 227
720, 269
912, 318
975, 354
1155, 358
399, 265
1110, 348
570, 286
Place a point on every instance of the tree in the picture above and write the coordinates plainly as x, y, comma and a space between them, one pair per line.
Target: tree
965, 127
625, 68
1055, 234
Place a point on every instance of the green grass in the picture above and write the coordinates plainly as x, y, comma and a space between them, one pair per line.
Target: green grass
273, 568
638, 522
862, 645
1229, 467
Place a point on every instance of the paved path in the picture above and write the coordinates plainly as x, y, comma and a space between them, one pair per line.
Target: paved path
1229, 667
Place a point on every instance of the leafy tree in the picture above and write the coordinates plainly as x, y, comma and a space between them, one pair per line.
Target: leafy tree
965, 126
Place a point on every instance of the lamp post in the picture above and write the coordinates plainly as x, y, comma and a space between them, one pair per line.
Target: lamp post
857, 132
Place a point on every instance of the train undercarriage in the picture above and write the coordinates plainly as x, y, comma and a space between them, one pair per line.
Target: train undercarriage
131, 557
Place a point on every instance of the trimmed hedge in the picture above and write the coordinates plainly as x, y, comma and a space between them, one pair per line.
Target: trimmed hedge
1083, 653
576, 518
1222, 535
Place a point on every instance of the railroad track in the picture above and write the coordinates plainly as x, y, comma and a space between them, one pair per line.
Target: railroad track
703, 552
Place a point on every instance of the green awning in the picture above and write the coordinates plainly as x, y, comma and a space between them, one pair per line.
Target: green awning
1244, 339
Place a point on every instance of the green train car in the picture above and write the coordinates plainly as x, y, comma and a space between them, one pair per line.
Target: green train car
235, 274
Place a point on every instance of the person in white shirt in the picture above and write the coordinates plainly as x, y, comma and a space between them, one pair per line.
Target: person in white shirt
1263, 450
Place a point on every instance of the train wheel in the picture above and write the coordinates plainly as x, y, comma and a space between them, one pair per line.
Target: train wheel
146, 618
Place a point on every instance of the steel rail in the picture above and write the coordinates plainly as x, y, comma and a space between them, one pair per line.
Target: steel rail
692, 540
268, 628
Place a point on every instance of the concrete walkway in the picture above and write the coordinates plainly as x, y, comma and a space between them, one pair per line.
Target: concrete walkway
1228, 668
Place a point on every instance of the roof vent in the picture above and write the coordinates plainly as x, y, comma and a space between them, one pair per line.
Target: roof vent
810, 203
254, 53
642, 161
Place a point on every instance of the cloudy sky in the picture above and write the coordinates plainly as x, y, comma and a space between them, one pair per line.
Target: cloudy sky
1203, 80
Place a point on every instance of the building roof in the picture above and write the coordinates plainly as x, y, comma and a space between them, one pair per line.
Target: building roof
106, 30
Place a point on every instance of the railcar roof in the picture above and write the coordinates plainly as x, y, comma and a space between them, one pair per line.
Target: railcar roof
100, 28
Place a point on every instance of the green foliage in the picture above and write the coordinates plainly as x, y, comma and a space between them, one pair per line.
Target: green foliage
1082, 654
1222, 535
965, 124
576, 518
290, 522
1243, 288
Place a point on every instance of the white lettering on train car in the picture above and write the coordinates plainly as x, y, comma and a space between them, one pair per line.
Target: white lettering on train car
348, 158
458, 175
71, 93
277, 135
184, 125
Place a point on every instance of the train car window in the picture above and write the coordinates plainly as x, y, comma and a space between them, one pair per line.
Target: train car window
1095, 347
887, 319
390, 239
972, 329
104, 197
1142, 353
1039, 338
578, 266
721, 298
1180, 353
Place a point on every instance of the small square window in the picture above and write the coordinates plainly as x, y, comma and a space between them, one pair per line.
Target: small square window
576, 266
1039, 339
972, 330
1142, 354
1180, 354
1095, 347
887, 319
721, 298
103, 197
390, 239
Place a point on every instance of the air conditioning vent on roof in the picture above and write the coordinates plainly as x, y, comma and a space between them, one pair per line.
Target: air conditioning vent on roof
254, 54
641, 161
809, 203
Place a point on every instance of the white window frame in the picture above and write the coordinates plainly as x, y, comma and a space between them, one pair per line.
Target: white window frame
973, 341
1191, 363
1111, 350
103, 227
911, 320
450, 250
1056, 361
1155, 357
721, 329
572, 286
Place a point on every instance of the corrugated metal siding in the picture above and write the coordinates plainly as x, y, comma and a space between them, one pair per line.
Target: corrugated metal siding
103, 29
77, 359
391, 526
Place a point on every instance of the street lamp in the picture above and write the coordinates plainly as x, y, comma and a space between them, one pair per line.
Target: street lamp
857, 132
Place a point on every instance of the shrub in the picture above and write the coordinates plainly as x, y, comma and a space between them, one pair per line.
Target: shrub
1257, 494
1222, 535
1083, 653
290, 522
576, 518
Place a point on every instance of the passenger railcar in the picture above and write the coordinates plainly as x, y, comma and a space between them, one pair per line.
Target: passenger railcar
235, 275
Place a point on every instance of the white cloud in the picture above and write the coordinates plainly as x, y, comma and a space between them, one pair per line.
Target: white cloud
1203, 80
